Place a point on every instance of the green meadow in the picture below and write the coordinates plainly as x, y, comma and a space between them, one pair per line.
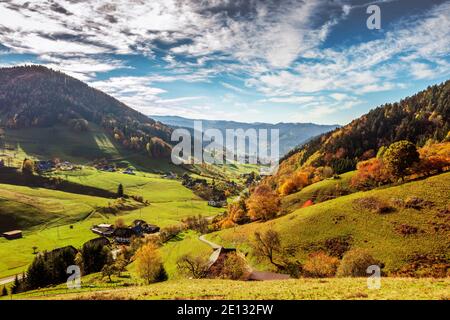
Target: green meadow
55, 219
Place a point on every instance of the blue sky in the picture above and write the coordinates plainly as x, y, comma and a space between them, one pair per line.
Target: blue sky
244, 60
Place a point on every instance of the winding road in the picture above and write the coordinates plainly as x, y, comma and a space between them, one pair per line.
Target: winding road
9, 279
211, 244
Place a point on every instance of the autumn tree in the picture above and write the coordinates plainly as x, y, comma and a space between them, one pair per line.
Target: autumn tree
193, 267
237, 212
370, 174
120, 264
234, 267
28, 167
120, 223
267, 245
399, 157
263, 204
149, 263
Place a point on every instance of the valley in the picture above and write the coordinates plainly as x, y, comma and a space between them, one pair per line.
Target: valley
76, 163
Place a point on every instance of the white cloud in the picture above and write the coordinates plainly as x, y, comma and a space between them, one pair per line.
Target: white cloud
292, 99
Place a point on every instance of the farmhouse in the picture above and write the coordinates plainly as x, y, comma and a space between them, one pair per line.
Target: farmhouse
44, 165
123, 235
104, 230
140, 227
129, 171
14, 234
217, 204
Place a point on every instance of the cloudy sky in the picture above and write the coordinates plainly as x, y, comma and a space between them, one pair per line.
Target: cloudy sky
245, 60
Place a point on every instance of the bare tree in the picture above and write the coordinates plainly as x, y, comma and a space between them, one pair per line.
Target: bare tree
195, 267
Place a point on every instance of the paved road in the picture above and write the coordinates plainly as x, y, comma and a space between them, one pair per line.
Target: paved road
9, 279
211, 244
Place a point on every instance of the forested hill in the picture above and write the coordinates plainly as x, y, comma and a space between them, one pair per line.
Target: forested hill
426, 115
35, 96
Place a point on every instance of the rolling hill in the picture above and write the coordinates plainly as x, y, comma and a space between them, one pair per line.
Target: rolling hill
394, 237
47, 113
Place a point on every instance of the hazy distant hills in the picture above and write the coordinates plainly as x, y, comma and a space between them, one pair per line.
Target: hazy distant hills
291, 134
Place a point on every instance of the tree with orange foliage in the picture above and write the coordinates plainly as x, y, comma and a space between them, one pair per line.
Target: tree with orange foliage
263, 204
371, 173
298, 181
237, 212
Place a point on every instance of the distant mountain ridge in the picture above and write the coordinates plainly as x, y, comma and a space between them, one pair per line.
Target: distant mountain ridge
291, 134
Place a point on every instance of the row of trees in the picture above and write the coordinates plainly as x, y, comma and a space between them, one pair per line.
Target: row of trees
400, 160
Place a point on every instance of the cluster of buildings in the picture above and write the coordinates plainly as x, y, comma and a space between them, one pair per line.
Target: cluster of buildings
123, 235
112, 168
50, 165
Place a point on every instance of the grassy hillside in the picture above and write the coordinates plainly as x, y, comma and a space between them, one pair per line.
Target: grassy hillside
304, 289
80, 147
306, 230
324, 190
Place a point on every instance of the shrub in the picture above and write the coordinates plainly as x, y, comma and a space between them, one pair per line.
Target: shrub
338, 246
425, 266
406, 230
234, 267
417, 203
355, 263
373, 204
320, 265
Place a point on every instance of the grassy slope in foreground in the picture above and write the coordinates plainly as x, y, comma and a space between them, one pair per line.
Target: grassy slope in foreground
306, 228
334, 288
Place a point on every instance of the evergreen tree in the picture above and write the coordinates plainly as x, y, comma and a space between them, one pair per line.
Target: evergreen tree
120, 191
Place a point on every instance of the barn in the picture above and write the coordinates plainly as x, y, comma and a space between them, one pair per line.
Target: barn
11, 235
